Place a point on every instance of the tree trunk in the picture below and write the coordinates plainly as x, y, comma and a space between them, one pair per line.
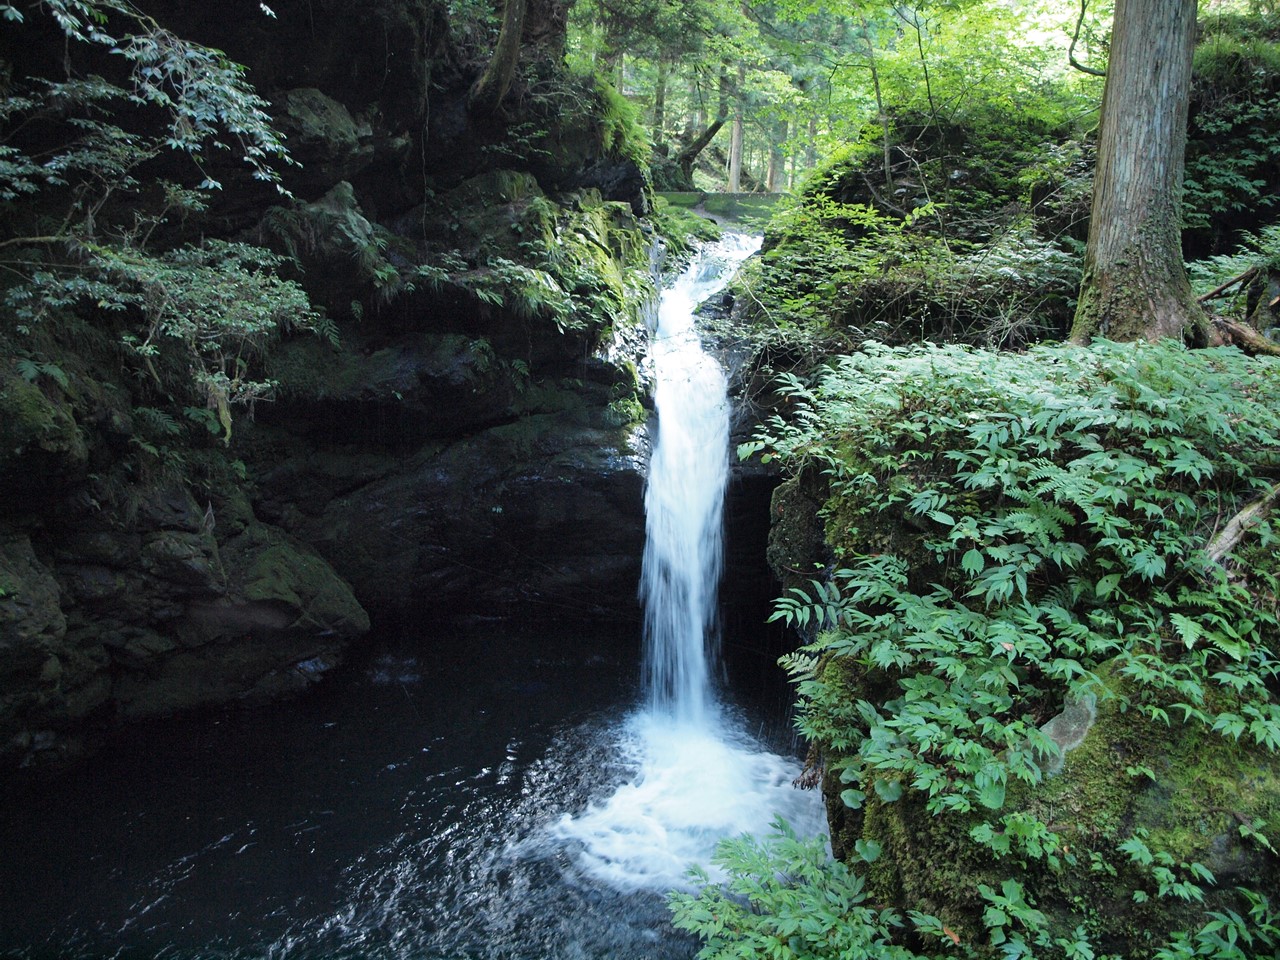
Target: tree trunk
777, 162
1135, 286
660, 105
488, 91
546, 26
880, 110
686, 157
735, 141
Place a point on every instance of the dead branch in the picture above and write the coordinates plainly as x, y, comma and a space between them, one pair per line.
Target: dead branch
1239, 525
1223, 288
1246, 338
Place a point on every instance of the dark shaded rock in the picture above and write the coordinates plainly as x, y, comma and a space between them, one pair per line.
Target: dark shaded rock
323, 136
155, 617
540, 517
619, 180
797, 539
187, 563
415, 387
31, 619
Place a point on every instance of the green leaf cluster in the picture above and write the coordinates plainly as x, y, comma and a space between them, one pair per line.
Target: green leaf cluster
1064, 499
1234, 139
1013, 534
204, 314
852, 269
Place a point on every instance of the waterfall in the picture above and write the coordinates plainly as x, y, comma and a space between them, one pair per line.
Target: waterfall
684, 497
694, 775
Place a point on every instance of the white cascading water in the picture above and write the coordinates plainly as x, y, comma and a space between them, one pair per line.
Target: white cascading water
684, 496
698, 777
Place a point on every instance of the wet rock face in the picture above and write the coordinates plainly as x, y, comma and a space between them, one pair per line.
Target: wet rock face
179, 608
538, 515
454, 456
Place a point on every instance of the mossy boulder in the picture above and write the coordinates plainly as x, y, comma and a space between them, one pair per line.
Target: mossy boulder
323, 136
1127, 784
40, 440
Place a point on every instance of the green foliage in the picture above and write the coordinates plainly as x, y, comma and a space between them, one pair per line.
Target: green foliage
1234, 140
681, 229
620, 130
192, 319
205, 313
785, 899
203, 94
1006, 529
1245, 274
1066, 497
852, 268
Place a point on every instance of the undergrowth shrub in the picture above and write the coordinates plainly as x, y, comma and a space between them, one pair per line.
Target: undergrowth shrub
852, 269
1233, 136
1015, 537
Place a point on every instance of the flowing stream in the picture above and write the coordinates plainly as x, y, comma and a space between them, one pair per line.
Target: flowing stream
505, 796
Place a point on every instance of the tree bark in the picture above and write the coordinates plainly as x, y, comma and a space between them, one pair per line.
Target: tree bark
1135, 286
735, 140
880, 110
660, 105
777, 162
686, 157
488, 91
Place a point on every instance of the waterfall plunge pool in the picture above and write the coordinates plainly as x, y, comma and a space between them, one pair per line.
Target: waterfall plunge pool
407, 811
482, 795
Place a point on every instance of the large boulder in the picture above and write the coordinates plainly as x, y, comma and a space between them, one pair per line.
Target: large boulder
160, 609
1126, 795
543, 515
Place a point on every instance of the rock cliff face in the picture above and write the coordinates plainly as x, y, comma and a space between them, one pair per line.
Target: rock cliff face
471, 445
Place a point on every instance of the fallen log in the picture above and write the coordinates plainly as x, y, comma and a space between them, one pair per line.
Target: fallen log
1246, 338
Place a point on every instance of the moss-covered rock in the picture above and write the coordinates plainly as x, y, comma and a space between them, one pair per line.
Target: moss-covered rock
1184, 793
39, 437
165, 608
323, 136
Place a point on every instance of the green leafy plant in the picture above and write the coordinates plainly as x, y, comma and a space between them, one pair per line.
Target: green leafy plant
1014, 537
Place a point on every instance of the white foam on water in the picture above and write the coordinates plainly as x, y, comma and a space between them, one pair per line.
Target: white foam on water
694, 785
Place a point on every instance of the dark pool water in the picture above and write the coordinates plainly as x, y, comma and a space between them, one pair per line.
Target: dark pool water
390, 815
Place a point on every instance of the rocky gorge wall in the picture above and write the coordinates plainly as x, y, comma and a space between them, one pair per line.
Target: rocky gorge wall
470, 443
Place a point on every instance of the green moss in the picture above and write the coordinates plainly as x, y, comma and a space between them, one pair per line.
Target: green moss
31, 417
1192, 809
283, 572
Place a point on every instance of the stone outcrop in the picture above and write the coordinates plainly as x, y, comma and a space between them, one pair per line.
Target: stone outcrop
1116, 776
173, 608
467, 441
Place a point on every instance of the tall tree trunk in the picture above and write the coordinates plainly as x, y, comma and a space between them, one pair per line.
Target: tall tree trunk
488, 91
1135, 286
686, 157
660, 105
735, 141
777, 162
